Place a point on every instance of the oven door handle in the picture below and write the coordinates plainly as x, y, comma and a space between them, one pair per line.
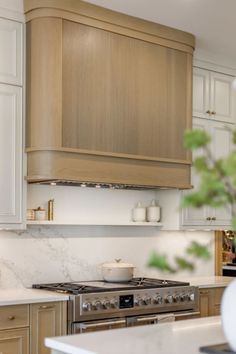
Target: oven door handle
167, 317
84, 325
182, 316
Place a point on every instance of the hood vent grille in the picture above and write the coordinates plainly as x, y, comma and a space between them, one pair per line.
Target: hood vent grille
95, 185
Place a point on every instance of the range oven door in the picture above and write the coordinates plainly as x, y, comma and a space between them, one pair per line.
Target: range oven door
92, 326
99, 325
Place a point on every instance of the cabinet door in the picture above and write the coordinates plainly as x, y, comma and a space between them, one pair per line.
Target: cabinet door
221, 147
196, 216
47, 320
10, 154
205, 302
14, 341
222, 97
11, 52
201, 93
216, 305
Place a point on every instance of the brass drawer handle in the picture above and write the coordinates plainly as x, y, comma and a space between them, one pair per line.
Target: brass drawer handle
204, 292
45, 307
11, 318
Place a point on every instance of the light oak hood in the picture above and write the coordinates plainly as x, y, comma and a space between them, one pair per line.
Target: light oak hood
108, 98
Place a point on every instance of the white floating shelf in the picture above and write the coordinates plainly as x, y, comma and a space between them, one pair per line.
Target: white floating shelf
89, 223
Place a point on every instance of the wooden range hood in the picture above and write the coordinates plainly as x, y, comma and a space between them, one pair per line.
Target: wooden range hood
108, 97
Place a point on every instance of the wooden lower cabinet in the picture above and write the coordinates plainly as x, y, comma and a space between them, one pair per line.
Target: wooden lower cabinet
14, 341
210, 301
46, 320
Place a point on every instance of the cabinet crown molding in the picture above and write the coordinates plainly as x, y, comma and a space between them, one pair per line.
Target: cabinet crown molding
70, 8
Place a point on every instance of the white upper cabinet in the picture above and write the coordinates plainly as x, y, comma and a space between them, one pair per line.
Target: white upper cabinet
195, 216
11, 52
201, 93
10, 154
213, 96
214, 218
11, 115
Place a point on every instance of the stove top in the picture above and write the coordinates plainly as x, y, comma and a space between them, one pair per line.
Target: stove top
95, 286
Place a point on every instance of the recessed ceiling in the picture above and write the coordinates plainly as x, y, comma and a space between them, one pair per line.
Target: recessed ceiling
213, 22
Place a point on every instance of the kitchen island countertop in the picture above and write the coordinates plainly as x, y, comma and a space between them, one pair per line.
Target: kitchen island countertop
29, 296
182, 337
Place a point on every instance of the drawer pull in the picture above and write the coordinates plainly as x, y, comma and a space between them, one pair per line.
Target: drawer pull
204, 292
45, 307
11, 318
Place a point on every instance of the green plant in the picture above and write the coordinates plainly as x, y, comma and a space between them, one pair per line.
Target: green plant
217, 189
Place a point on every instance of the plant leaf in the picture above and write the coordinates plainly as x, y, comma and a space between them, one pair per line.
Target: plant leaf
161, 262
201, 164
198, 250
194, 139
184, 264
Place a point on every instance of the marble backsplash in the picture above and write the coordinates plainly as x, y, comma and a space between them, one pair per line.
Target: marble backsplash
67, 253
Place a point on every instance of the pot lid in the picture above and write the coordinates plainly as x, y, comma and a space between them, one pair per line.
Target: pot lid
118, 264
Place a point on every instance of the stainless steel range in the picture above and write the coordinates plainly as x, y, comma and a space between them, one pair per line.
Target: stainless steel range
96, 305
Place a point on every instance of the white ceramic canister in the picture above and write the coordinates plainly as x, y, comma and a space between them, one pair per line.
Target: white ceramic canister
40, 213
153, 212
228, 314
139, 213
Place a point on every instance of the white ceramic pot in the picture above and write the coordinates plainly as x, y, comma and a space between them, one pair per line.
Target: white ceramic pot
117, 271
228, 314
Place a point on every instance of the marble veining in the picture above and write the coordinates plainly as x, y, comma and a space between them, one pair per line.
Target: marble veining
70, 253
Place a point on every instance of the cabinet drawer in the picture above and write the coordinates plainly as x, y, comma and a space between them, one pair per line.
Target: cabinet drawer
14, 316
14, 341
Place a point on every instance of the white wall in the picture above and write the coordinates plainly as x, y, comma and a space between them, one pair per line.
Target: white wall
49, 254
66, 253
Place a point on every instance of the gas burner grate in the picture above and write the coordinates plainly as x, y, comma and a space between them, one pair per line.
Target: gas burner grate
150, 282
77, 288
70, 288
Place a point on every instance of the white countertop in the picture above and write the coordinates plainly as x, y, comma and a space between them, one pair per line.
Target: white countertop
207, 282
211, 282
29, 296
182, 337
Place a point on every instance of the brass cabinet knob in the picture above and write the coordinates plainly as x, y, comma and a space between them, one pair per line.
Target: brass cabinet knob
213, 112
214, 218
11, 318
208, 218
208, 111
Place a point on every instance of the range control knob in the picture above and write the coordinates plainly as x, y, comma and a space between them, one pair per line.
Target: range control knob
169, 299
96, 305
176, 298
158, 299
114, 303
138, 301
106, 304
191, 297
183, 297
87, 306
146, 300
